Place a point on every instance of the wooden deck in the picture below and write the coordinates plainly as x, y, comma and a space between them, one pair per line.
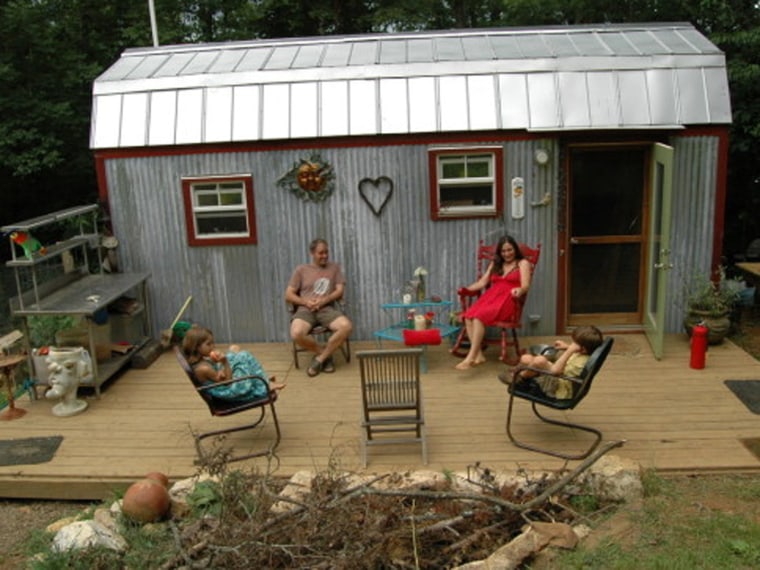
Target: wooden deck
673, 418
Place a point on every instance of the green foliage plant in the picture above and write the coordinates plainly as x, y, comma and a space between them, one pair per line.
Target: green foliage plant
206, 499
42, 328
716, 297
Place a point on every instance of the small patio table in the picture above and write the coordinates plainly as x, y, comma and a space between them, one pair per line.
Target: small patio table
398, 313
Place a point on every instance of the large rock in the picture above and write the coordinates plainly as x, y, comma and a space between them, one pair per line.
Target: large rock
535, 537
614, 478
87, 534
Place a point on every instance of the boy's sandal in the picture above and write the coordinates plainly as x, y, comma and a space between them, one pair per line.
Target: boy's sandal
315, 367
328, 366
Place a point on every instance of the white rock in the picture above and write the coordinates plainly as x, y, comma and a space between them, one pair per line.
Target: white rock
87, 534
181, 489
60, 523
107, 519
298, 487
614, 478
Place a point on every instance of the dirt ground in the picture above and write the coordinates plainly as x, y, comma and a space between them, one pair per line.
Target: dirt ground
18, 519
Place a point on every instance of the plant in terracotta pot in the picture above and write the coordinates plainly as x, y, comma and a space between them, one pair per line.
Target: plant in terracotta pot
710, 302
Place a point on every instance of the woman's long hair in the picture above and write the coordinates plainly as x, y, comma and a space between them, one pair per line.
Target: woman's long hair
498, 259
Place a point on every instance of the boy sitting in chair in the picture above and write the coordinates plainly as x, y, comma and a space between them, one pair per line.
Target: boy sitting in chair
585, 340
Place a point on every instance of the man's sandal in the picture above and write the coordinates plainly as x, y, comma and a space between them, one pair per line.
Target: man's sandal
328, 365
315, 367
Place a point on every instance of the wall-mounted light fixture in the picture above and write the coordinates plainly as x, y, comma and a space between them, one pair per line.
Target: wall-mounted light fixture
541, 156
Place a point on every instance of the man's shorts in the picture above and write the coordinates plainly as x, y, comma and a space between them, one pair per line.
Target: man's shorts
323, 316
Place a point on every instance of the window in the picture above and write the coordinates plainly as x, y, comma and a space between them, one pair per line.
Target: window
219, 211
465, 183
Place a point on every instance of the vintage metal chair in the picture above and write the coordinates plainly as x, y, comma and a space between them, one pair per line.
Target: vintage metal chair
220, 408
507, 329
319, 331
391, 398
526, 389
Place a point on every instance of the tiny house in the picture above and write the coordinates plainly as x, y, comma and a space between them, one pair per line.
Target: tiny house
606, 144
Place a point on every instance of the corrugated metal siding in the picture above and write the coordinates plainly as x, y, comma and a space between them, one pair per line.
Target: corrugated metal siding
238, 291
693, 207
571, 77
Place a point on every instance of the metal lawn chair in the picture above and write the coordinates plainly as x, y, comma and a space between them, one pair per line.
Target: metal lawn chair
221, 408
526, 389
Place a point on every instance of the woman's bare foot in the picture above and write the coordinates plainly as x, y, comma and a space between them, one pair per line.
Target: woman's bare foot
276, 386
464, 365
479, 360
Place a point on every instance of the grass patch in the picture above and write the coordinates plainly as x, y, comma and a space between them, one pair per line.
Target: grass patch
684, 523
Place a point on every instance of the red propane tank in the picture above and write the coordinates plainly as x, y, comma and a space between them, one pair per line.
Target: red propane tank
698, 346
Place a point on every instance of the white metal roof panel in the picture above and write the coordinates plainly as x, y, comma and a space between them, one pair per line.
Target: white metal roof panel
363, 119
227, 61
308, 56
163, 105
245, 110
553, 78
218, 117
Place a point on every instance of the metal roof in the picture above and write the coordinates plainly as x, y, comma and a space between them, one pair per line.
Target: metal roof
554, 78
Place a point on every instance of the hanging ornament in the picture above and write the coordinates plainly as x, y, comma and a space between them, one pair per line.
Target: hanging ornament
309, 179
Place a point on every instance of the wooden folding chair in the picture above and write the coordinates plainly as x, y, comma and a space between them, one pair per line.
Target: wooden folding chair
391, 398
507, 329
526, 389
221, 408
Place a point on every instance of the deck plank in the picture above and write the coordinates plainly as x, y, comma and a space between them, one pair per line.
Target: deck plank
673, 418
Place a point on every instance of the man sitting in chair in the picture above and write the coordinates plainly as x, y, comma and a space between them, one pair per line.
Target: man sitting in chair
313, 289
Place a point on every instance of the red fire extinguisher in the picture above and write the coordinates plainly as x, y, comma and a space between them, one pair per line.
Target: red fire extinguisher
698, 346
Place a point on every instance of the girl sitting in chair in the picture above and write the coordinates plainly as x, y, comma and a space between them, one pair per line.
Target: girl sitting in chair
210, 365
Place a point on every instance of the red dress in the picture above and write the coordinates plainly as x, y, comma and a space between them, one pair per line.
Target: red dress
497, 303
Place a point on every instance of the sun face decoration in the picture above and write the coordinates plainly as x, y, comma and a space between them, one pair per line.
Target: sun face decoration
311, 179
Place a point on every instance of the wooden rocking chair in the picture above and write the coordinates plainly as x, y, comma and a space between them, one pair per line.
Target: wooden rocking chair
507, 329
526, 389
219, 407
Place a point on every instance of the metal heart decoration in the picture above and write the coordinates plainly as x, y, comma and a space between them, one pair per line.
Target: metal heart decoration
376, 193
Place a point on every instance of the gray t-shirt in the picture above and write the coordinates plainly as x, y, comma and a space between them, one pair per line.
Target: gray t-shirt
310, 281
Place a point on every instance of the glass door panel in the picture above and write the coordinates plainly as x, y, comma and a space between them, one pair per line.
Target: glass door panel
605, 235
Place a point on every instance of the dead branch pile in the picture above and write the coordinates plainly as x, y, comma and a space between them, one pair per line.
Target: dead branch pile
340, 526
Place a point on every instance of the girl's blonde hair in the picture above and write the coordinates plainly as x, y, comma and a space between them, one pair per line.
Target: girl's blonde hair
194, 337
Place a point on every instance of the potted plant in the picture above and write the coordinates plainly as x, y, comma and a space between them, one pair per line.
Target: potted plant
42, 331
711, 303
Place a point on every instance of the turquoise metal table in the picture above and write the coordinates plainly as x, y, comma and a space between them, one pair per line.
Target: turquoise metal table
398, 313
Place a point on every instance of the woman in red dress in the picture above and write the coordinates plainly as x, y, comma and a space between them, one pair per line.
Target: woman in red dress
509, 278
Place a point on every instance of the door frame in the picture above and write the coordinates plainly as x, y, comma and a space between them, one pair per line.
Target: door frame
563, 237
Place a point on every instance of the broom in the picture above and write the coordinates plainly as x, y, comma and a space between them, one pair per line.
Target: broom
167, 334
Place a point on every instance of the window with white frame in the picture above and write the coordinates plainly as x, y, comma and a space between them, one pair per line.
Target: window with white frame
219, 210
465, 182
